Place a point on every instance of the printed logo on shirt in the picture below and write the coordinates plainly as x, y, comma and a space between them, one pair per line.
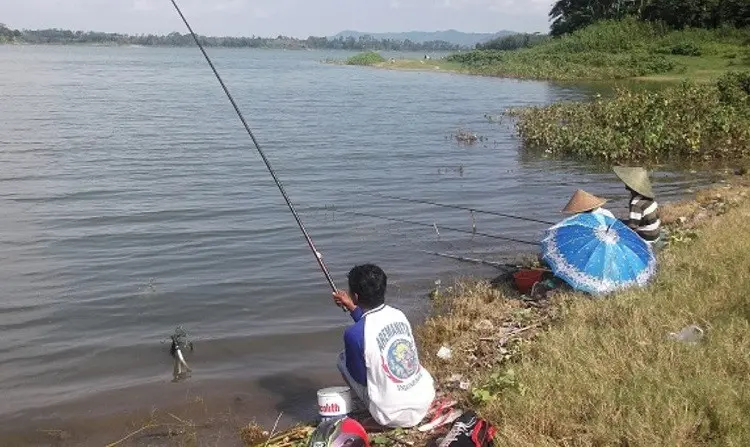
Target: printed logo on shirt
400, 362
398, 355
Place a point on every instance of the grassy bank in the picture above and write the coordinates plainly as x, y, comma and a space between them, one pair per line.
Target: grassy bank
605, 372
568, 370
607, 50
690, 121
618, 50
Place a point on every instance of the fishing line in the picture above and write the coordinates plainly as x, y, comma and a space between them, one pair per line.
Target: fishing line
465, 208
309, 240
422, 224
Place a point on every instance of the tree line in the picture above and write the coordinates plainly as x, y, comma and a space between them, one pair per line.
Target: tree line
570, 15
175, 39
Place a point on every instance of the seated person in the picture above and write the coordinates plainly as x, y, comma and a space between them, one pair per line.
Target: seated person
583, 202
380, 361
644, 211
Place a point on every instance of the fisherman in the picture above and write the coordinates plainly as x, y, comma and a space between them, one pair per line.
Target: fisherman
643, 216
584, 202
580, 202
380, 362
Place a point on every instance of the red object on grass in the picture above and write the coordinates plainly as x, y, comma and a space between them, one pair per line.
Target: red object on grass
525, 279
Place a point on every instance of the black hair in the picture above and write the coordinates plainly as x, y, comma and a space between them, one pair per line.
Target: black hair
368, 282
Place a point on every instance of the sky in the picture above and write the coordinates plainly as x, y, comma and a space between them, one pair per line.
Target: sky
297, 18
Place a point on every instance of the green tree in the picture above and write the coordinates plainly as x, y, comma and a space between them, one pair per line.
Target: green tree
570, 15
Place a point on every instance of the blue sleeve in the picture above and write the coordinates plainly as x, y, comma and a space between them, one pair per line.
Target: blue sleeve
357, 314
354, 350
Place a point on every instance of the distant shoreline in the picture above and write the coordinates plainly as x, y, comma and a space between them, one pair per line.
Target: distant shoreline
177, 39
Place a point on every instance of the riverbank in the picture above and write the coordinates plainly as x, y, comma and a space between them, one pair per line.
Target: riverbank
607, 50
685, 68
605, 372
575, 371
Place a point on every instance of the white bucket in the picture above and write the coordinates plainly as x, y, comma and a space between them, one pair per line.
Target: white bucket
334, 402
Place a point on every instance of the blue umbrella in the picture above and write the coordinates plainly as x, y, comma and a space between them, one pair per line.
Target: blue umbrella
597, 254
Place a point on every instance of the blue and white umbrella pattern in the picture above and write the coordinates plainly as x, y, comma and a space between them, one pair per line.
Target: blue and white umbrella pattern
597, 254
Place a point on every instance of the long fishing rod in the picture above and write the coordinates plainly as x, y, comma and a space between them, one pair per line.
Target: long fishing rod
434, 226
498, 265
309, 240
474, 210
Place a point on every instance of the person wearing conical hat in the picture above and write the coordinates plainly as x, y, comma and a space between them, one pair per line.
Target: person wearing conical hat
580, 202
584, 202
644, 211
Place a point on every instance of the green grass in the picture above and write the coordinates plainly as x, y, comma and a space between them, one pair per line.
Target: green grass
698, 69
608, 374
605, 372
618, 50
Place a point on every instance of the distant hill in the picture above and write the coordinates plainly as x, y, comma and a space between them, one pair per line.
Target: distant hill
451, 36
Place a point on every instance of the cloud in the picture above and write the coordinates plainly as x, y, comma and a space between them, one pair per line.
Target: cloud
504, 6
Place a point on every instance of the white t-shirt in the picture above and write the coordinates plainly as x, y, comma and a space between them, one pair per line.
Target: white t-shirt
400, 389
604, 212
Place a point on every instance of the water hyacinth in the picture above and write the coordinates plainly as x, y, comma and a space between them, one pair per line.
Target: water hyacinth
688, 122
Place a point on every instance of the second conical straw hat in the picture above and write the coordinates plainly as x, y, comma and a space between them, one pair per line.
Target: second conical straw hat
635, 179
582, 202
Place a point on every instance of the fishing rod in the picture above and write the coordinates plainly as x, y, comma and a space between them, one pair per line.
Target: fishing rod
434, 226
498, 265
318, 256
473, 210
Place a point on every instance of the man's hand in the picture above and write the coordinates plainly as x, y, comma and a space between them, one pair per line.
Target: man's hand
342, 298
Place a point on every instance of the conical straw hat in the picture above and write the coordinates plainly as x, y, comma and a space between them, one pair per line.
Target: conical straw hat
582, 202
635, 179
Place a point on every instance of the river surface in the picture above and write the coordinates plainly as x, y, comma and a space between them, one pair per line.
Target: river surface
132, 201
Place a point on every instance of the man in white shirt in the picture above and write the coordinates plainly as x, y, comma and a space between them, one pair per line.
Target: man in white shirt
380, 360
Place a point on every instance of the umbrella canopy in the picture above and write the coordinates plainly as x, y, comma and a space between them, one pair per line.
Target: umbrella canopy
597, 254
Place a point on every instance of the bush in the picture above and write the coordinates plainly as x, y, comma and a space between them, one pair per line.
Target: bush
530, 64
367, 58
685, 122
514, 42
682, 49
734, 89
477, 58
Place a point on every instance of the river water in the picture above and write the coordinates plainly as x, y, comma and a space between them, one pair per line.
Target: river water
132, 201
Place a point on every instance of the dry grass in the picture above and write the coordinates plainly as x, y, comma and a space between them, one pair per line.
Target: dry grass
711, 201
605, 373
422, 65
484, 327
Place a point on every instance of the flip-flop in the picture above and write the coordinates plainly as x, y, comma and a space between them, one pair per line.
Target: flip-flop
440, 405
441, 420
